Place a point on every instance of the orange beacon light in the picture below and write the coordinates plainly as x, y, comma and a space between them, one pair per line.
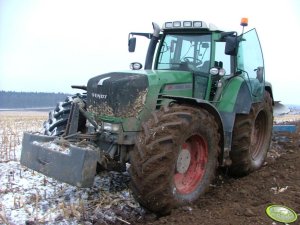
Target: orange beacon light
244, 22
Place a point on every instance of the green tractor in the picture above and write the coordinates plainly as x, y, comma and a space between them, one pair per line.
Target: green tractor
200, 103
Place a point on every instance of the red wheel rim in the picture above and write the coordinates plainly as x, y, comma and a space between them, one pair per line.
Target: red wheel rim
192, 159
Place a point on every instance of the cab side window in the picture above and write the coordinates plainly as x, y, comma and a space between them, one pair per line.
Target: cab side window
221, 57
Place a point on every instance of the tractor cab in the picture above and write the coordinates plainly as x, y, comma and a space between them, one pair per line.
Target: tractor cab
211, 55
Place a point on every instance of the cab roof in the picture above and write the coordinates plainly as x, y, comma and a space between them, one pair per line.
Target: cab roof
189, 24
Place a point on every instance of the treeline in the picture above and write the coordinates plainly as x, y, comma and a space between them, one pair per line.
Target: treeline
12, 99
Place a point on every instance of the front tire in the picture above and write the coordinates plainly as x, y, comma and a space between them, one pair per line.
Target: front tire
251, 138
175, 158
58, 118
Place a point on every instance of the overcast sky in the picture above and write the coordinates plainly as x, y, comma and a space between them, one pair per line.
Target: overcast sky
50, 45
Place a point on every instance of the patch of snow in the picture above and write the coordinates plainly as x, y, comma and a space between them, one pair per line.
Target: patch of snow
26, 195
53, 146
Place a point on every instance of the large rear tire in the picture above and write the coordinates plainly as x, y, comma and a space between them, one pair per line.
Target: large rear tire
251, 138
175, 158
58, 118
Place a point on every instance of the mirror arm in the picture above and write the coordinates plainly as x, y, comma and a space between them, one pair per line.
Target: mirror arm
147, 35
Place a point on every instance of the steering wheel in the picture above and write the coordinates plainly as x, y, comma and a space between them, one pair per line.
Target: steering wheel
197, 62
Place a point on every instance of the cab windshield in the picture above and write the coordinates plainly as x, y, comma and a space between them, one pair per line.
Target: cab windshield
190, 52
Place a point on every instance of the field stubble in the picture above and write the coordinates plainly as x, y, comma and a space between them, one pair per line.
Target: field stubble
13, 124
27, 197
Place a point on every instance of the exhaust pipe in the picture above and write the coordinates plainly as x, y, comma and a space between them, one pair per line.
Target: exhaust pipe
152, 46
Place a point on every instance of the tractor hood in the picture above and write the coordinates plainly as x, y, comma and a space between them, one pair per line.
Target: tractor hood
117, 94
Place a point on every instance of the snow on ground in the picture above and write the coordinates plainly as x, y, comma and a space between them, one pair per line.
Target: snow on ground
28, 197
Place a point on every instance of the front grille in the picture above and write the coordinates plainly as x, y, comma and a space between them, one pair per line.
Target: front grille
117, 94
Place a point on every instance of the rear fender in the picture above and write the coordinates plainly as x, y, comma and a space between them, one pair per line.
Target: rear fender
268, 88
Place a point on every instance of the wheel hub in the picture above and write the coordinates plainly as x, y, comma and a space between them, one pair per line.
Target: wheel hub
190, 166
183, 161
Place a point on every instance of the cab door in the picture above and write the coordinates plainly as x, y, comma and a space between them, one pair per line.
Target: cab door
250, 61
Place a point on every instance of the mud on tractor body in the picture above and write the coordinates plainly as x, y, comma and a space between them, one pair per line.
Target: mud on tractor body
201, 102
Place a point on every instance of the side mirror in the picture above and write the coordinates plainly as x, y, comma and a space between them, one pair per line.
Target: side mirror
231, 45
131, 44
260, 74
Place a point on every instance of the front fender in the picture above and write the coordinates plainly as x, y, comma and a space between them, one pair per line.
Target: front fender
212, 110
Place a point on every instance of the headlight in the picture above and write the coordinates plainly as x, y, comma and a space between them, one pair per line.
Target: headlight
222, 72
114, 127
216, 71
